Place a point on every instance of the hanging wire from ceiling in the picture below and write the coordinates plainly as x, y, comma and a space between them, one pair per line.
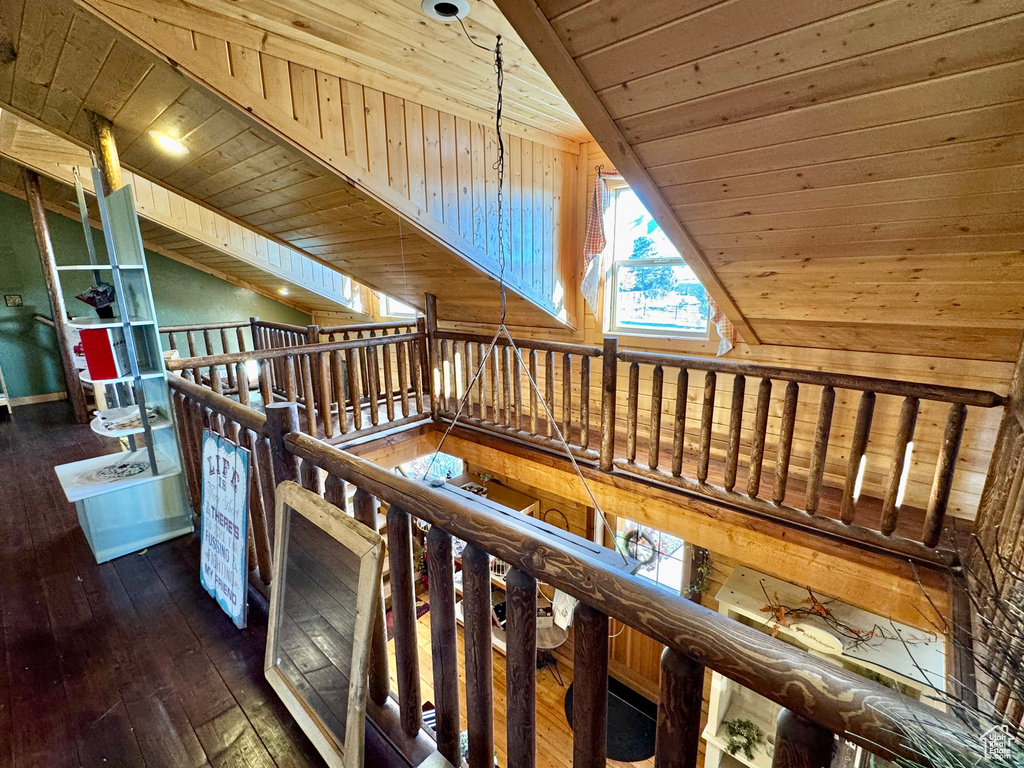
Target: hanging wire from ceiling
499, 168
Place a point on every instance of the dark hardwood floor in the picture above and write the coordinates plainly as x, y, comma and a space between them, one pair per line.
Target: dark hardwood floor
126, 663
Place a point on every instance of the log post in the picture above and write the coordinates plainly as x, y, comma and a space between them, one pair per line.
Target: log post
282, 418
443, 638
73, 385
433, 361
590, 688
476, 585
521, 669
403, 610
682, 693
799, 743
609, 373
104, 151
254, 331
364, 507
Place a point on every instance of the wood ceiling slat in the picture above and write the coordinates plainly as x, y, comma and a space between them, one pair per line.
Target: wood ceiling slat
85, 50
986, 153
46, 23
960, 51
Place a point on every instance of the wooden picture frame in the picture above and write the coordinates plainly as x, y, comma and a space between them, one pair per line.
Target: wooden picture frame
367, 547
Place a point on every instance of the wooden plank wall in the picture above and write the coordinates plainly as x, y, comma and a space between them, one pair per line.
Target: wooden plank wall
440, 162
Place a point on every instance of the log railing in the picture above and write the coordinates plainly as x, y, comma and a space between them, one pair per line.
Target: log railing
355, 386
728, 449
819, 698
504, 400
797, 446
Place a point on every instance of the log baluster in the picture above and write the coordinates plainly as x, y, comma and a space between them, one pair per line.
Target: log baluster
858, 447
732, 453
172, 342
262, 462
208, 342
506, 386
443, 634
242, 377
335, 492
899, 466
481, 382
567, 397
373, 387
585, 402
631, 411
590, 688
819, 452
517, 389
216, 420
338, 376
240, 338
654, 443
476, 585
364, 508
785, 442
679, 422
290, 379
467, 377
309, 396
403, 611
799, 743
521, 669
309, 475
549, 390
706, 423
682, 694
401, 351
416, 373
764, 399
446, 376
354, 380
282, 418
266, 382
190, 338
534, 400
942, 484
324, 392
493, 365
232, 380
389, 384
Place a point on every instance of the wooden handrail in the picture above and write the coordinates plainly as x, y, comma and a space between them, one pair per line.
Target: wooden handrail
364, 327
977, 397
300, 329
204, 326
544, 346
284, 352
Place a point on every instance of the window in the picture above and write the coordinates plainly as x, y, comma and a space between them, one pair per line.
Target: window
444, 467
660, 555
651, 289
390, 307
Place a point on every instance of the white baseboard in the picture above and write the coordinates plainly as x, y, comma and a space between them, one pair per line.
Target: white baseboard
49, 397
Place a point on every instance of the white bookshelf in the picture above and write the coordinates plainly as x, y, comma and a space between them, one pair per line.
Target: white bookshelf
128, 500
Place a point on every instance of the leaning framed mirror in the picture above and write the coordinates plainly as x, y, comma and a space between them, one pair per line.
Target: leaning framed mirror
325, 587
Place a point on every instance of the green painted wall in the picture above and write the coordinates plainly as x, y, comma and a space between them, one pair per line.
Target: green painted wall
28, 349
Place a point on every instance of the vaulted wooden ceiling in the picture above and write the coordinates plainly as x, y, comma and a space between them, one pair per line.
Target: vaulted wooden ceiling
850, 171
174, 227
68, 61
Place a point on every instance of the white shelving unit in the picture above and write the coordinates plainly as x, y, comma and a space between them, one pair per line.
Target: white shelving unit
900, 657
131, 499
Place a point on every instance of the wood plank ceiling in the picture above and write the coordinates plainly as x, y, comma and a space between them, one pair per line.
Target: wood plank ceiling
67, 61
851, 171
60, 198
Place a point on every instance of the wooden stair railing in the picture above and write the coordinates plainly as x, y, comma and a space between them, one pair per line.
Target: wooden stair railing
819, 699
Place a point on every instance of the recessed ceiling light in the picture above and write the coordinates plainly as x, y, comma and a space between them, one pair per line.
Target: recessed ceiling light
445, 10
283, 291
169, 144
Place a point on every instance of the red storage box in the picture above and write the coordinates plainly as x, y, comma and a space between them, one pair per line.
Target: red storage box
106, 354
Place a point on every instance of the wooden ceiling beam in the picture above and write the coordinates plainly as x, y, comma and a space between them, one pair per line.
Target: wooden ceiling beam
534, 28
